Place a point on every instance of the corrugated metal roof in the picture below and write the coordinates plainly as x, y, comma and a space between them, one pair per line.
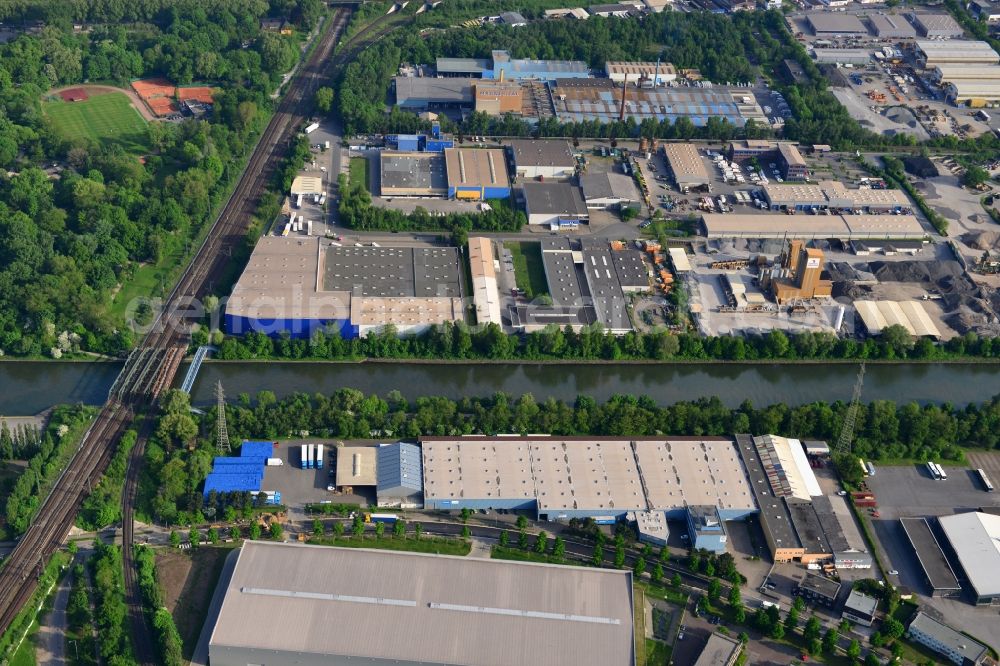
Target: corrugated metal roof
399, 466
224, 483
386, 606
976, 540
255, 449
878, 315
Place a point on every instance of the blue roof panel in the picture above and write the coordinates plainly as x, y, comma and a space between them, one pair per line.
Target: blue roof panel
253, 449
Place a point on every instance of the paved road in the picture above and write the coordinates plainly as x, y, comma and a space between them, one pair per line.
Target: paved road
50, 649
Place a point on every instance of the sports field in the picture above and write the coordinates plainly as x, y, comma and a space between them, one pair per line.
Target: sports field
105, 117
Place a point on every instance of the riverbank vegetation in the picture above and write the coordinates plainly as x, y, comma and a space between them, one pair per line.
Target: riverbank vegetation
457, 341
87, 225
182, 447
46, 456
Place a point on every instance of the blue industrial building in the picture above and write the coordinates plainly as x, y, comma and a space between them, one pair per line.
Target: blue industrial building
706, 528
400, 475
513, 69
477, 173
243, 473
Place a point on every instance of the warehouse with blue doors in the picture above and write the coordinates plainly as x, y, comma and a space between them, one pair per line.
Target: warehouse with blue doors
243, 473
476, 174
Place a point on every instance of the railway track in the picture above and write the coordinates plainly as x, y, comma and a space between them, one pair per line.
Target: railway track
152, 365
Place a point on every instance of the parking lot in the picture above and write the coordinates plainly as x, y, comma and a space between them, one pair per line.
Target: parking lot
299, 487
910, 491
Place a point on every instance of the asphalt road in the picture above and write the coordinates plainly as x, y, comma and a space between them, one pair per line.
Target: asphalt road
50, 649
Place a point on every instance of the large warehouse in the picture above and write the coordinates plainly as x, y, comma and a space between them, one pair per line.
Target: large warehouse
542, 158
937, 26
687, 167
834, 195
310, 284
891, 26
938, 574
294, 604
485, 289
973, 91
975, 538
836, 24
931, 53
412, 174
553, 203
424, 92
476, 174
812, 227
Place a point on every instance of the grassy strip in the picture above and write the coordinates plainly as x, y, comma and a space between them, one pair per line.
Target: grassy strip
359, 172
436, 545
639, 631
331, 509
516, 555
528, 269
16, 640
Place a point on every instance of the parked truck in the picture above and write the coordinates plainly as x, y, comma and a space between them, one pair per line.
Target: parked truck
381, 517
275, 462
312, 127
319, 447
304, 457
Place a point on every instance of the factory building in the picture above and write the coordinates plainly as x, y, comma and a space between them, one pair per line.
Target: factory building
836, 196
577, 100
642, 73
748, 148
798, 275
412, 174
553, 203
244, 473
587, 281
974, 92
931, 53
782, 487
422, 93
306, 186
812, 227
476, 174
947, 641
889, 26
975, 539
876, 316
608, 190
948, 73
495, 98
697, 480
514, 69
463, 67
400, 476
288, 604
312, 284
938, 574
793, 165
937, 26
836, 24
617, 10
984, 10
818, 590
687, 167
853, 57
542, 158
485, 289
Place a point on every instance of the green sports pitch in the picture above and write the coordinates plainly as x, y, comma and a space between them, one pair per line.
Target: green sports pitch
104, 117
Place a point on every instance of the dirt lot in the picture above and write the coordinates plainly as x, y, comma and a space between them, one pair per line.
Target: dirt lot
188, 580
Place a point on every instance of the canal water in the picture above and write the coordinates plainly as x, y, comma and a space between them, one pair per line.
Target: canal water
27, 387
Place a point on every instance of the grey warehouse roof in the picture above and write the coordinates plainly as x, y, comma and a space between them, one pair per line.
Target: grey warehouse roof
382, 606
463, 65
946, 635
393, 271
939, 573
554, 199
608, 186
431, 89
976, 540
530, 153
399, 467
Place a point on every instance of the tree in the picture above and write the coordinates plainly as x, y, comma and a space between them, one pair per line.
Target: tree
657, 574
318, 528
744, 637
212, 535
277, 532
194, 537
777, 631
465, 513
664, 555
418, 529
338, 529
792, 620
975, 176
619, 556
175, 538
234, 533
714, 590
703, 606
558, 549
504, 539
830, 639
854, 649
379, 530
541, 543
629, 213
358, 526
522, 539
466, 532
324, 99
892, 628
640, 566
597, 559
254, 531
871, 659
522, 523
735, 598
399, 528
812, 628
694, 561
675, 581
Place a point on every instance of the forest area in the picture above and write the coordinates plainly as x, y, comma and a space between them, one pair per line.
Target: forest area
80, 218
179, 456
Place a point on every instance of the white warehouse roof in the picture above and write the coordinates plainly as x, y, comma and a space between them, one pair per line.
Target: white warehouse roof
289, 602
957, 51
879, 315
975, 537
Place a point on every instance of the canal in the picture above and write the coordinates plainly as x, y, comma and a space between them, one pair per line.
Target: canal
27, 387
